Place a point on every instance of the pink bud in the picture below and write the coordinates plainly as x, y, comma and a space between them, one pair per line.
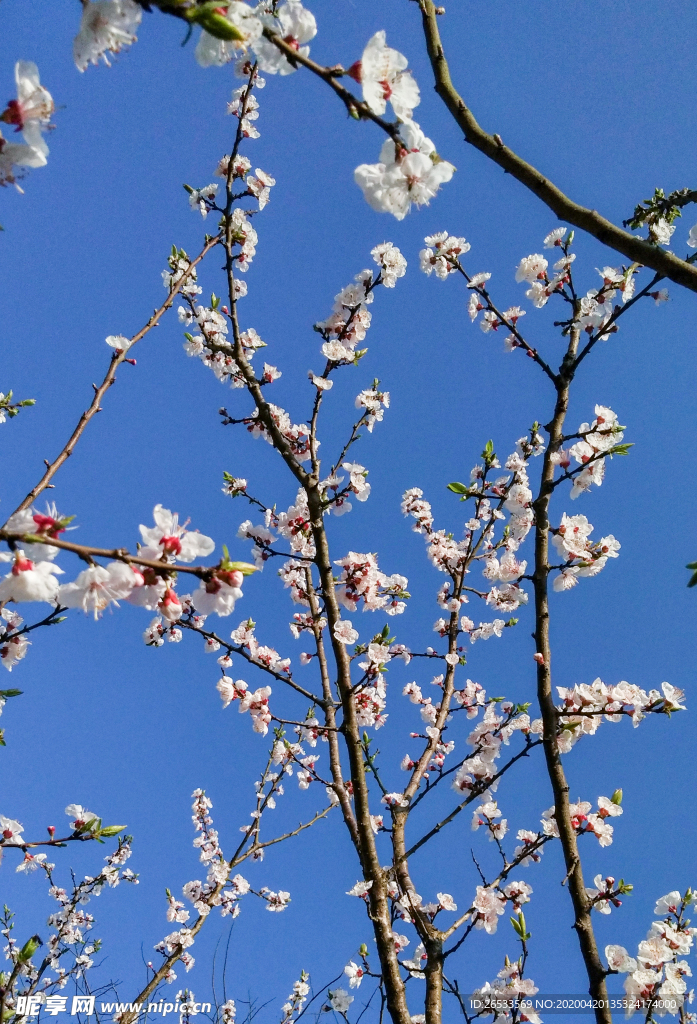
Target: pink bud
21, 565
170, 606
355, 71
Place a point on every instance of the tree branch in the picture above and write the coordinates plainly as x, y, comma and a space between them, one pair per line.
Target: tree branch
116, 360
635, 249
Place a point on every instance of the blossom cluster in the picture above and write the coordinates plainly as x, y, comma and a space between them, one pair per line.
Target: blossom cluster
586, 822
293, 525
595, 440
442, 254
490, 903
409, 173
256, 702
493, 498
33, 578
296, 1000
350, 319
99, 586
658, 971
67, 952
499, 722
429, 714
214, 350
258, 38
509, 993
220, 889
362, 580
582, 557
584, 705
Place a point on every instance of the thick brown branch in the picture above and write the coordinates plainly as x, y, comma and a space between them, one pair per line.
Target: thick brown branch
555, 769
635, 249
329, 709
87, 552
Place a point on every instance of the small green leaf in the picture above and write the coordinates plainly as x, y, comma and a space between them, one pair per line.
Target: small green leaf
216, 24
93, 825
29, 948
244, 567
620, 449
111, 830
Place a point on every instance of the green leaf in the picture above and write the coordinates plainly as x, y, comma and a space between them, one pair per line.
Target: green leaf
244, 567
458, 488
620, 449
520, 927
111, 830
11, 693
213, 22
29, 948
93, 825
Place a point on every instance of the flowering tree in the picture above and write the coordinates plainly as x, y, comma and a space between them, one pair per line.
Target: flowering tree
517, 545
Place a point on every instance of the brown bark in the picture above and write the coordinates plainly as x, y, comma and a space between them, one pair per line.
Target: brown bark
555, 769
635, 249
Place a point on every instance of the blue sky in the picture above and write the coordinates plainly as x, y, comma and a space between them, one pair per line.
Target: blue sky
601, 98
